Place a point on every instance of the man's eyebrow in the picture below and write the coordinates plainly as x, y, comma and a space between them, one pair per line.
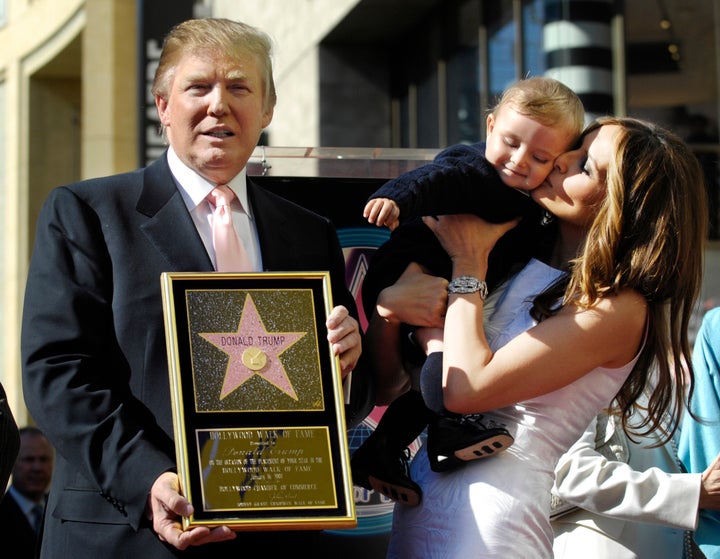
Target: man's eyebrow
238, 75
190, 78
234, 75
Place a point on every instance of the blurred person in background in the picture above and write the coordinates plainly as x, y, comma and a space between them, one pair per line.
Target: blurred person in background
23, 506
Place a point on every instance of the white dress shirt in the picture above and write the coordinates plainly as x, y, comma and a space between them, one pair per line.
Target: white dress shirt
194, 190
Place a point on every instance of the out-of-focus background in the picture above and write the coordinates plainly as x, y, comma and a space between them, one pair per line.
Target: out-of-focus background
366, 90
399, 78
363, 80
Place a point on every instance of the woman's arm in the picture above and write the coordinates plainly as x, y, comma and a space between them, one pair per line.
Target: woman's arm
545, 358
586, 478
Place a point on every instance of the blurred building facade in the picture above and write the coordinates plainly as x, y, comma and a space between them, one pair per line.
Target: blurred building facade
350, 73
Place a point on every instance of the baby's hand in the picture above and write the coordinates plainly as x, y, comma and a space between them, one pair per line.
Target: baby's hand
382, 211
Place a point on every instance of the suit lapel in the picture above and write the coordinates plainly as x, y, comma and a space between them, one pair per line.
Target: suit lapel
169, 226
171, 229
273, 226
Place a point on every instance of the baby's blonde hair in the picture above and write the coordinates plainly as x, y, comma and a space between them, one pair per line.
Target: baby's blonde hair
547, 101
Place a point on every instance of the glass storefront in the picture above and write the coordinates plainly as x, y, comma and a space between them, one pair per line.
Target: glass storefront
649, 59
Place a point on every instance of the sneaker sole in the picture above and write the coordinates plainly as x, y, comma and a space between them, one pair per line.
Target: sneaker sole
483, 449
397, 493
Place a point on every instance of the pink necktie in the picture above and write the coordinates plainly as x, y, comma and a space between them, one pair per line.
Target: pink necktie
230, 254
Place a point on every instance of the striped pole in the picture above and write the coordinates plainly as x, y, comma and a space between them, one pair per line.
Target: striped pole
577, 40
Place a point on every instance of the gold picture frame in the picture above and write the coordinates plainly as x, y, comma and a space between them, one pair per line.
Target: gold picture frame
257, 402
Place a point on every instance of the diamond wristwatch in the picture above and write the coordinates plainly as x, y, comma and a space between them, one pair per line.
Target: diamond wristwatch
468, 284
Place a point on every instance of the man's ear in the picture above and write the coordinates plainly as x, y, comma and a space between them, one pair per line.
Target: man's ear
267, 117
162, 108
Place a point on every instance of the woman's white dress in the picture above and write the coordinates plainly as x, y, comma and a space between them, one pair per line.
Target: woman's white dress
498, 507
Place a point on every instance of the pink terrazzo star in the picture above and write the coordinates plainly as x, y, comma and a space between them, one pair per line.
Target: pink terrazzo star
253, 350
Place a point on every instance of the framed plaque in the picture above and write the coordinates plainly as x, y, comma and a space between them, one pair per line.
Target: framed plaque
257, 402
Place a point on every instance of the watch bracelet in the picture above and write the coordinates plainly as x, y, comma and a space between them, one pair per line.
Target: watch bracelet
468, 284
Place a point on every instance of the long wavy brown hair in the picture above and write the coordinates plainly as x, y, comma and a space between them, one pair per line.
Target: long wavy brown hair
648, 235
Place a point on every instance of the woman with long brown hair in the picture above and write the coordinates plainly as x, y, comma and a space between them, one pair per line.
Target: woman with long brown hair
612, 300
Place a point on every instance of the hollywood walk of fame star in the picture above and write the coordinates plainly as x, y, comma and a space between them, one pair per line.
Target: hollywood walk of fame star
253, 350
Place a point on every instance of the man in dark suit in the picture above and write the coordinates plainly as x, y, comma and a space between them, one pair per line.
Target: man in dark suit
95, 367
23, 505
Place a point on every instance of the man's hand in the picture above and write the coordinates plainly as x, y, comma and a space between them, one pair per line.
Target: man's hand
344, 335
166, 505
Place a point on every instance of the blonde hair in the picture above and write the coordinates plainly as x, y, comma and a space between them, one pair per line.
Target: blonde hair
231, 38
547, 101
649, 235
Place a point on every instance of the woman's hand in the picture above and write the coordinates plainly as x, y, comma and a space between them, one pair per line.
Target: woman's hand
710, 487
467, 237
